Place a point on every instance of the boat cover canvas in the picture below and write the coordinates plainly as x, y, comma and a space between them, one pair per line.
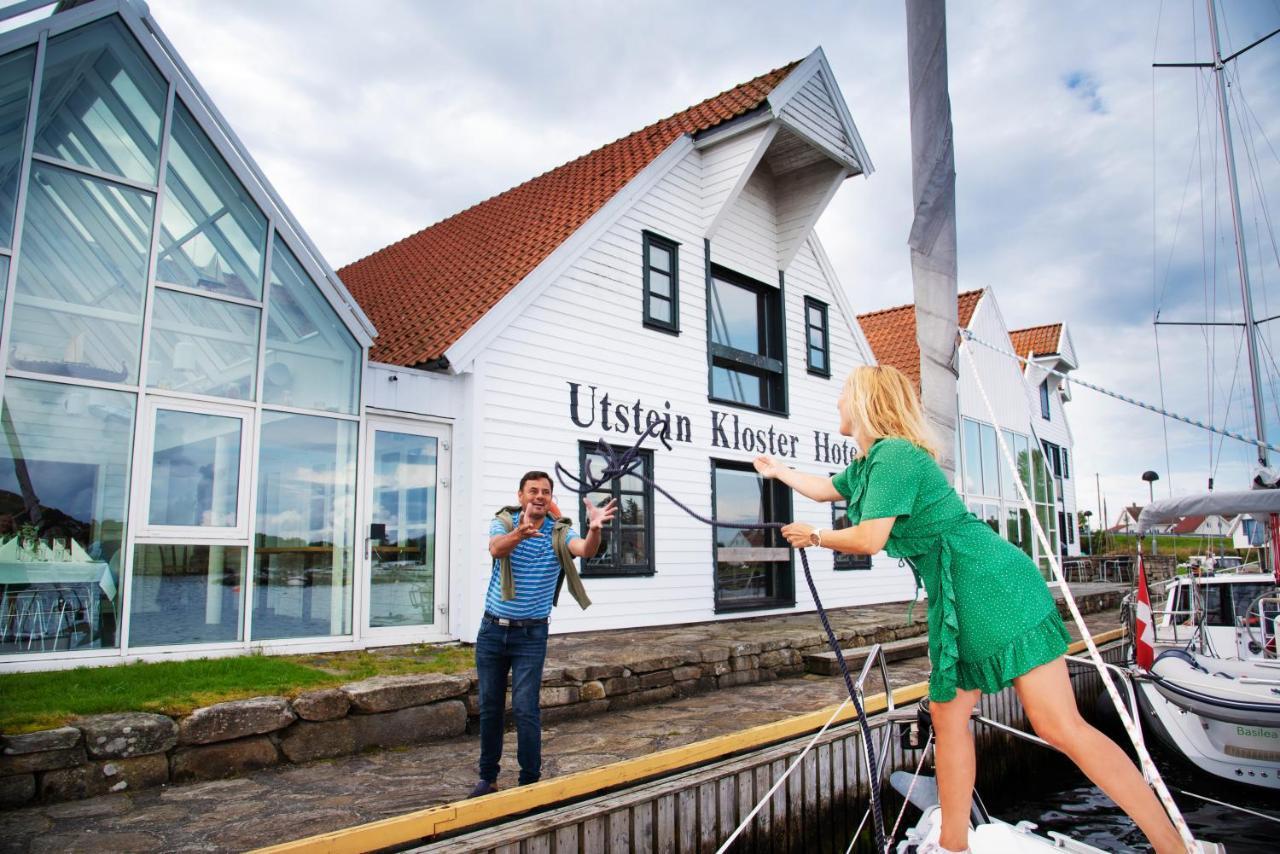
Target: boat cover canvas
1258, 503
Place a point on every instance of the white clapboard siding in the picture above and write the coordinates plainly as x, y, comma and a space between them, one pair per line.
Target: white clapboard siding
813, 112
803, 199
747, 237
1000, 375
586, 329
726, 167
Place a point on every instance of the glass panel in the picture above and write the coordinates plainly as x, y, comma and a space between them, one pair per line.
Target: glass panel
1026, 538
660, 284
101, 102
606, 557
659, 258
81, 278
631, 510
305, 530
1012, 532
15, 94
1008, 486
815, 316
972, 458
991, 515
203, 346
64, 486
186, 594
195, 469
403, 574
746, 388
1066, 464
818, 359
312, 361
1042, 490
1023, 453
212, 236
815, 337
633, 547
740, 582
660, 309
990, 462
735, 317
4, 277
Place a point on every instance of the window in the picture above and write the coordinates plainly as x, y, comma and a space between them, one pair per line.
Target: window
15, 91
64, 485
981, 459
840, 521
628, 540
753, 566
745, 327
1044, 400
202, 345
1066, 465
661, 283
305, 528
817, 338
312, 362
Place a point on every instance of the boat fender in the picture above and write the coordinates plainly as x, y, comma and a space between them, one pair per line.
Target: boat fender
1182, 655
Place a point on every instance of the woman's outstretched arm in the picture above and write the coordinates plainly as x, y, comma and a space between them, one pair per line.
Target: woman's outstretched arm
815, 487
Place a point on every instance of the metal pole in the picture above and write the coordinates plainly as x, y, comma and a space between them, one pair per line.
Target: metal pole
1242, 261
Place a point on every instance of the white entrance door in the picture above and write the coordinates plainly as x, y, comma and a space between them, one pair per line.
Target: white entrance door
407, 531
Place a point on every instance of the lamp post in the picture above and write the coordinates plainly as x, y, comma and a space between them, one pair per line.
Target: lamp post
1151, 477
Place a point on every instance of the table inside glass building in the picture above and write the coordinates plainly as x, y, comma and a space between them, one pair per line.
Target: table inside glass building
52, 604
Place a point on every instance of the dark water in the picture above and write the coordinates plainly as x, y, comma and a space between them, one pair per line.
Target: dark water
1083, 812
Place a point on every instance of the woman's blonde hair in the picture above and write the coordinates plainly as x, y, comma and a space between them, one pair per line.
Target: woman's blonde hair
883, 401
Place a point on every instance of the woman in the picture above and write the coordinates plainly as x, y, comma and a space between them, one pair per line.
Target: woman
992, 620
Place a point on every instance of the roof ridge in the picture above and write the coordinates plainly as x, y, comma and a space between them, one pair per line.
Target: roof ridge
1034, 328
649, 128
879, 311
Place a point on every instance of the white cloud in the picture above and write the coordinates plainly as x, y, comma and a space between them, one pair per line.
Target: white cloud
377, 120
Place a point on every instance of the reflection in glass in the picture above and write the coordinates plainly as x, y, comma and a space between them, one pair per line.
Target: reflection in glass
305, 528
203, 346
15, 93
1008, 485
752, 565
990, 461
212, 236
195, 469
626, 538
312, 361
404, 499
186, 594
101, 102
64, 482
736, 317
739, 386
81, 278
972, 458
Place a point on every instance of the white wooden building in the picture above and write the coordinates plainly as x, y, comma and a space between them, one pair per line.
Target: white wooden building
1027, 405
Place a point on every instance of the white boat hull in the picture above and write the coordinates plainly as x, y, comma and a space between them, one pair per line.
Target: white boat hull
1239, 752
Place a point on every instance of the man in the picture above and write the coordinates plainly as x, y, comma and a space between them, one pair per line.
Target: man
524, 583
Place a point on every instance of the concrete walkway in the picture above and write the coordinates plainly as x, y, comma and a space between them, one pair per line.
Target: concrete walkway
288, 802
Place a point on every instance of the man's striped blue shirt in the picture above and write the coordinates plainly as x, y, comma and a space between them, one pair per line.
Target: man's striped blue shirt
535, 568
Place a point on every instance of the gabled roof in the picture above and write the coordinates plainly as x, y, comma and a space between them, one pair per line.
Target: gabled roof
891, 332
1041, 340
1187, 525
425, 291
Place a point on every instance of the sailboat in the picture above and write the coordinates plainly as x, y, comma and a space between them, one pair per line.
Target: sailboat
1211, 691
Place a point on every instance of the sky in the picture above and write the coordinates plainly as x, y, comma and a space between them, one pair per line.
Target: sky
1090, 187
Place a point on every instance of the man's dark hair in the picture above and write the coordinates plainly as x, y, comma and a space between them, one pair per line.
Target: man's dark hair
537, 475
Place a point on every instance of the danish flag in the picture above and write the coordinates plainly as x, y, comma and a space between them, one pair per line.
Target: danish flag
1144, 650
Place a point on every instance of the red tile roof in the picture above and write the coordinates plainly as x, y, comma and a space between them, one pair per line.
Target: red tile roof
424, 292
891, 332
1187, 525
1041, 340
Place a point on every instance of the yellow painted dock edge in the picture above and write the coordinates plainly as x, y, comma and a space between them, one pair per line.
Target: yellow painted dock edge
426, 823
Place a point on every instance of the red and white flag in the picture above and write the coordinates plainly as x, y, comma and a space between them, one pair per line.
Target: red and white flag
1144, 640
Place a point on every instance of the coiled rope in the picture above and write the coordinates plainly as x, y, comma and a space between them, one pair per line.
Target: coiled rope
619, 464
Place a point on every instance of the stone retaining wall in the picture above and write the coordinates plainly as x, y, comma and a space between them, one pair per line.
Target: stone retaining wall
133, 750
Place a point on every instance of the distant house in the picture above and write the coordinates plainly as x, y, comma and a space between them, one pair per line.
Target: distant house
1247, 532
1127, 522
1203, 526
1035, 429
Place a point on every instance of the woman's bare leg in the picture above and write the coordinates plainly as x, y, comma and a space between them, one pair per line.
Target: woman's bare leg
956, 766
1050, 704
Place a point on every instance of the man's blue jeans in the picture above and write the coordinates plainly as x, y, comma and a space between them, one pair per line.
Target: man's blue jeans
522, 651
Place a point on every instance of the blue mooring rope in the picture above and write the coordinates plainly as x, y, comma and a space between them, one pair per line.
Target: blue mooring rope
628, 462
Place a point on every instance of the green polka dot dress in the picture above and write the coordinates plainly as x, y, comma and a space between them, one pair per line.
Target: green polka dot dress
991, 615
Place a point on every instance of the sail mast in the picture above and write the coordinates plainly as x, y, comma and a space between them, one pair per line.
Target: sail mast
933, 231
1250, 326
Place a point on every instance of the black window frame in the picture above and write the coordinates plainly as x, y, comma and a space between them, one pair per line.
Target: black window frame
843, 561
649, 239
594, 567
1066, 464
809, 349
771, 367
779, 496
1045, 409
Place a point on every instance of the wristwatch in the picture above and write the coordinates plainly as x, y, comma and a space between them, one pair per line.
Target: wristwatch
815, 537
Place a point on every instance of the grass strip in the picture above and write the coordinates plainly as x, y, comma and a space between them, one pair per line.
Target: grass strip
43, 700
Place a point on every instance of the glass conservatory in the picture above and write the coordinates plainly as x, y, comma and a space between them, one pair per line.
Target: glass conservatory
181, 370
